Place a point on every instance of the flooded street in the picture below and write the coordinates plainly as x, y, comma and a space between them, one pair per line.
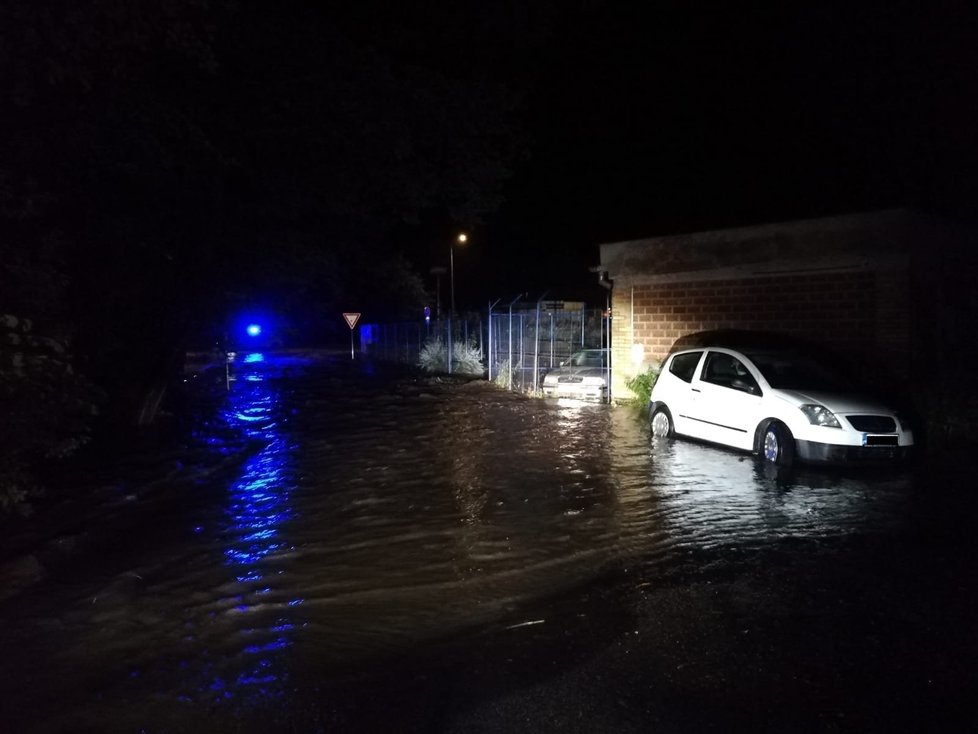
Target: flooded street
371, 550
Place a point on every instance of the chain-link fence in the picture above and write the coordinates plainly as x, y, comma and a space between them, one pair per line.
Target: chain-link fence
516, 343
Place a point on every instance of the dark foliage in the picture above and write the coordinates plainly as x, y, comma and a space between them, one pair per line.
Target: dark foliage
164, 164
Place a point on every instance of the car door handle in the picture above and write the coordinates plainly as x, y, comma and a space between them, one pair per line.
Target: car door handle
695, 389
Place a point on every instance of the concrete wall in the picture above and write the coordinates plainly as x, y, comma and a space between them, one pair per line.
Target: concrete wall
842, 281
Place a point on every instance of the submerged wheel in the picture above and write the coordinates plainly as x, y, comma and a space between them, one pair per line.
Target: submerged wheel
661, 423
778, 446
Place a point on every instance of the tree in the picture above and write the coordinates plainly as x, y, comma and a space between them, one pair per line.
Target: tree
166, 161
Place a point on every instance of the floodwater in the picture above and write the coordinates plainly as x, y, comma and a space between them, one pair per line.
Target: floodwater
357, 517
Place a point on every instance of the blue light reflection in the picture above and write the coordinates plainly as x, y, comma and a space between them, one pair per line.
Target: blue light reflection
257, 512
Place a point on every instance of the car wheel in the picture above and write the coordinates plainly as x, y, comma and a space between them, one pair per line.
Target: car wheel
778, 445
661, 423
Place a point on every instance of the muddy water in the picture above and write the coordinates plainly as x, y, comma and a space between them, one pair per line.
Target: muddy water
371, 516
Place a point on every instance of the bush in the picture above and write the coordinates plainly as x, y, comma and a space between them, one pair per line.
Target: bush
434, 356
642, 385
501, 378
47, 411
467, 359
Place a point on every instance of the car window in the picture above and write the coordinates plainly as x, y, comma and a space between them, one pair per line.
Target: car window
683, 366
589, 358
794, 371
728, 371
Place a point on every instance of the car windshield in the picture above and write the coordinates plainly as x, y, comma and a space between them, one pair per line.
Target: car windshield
795, 371
588, 358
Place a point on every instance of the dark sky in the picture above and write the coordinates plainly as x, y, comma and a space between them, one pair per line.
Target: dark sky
680, 117
228, 127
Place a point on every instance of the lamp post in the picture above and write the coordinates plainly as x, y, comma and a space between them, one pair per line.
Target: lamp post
461, 239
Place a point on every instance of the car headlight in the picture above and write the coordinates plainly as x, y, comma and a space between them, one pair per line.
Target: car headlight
550, 379
819, 415
594, 381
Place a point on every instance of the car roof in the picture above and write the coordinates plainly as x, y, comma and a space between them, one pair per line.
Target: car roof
740, 340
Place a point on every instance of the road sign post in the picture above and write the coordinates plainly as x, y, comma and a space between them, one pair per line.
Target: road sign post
351, 321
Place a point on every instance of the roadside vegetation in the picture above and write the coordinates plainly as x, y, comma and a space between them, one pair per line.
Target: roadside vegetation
641, 385
48, 410
504, 373
466, 357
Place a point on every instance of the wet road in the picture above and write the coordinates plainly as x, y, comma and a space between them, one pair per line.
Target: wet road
394, 551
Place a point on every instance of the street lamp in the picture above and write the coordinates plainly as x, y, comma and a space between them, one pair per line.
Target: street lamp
461, 239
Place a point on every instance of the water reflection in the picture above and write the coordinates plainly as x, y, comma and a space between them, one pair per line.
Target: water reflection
259, 507
374, 515
711, 497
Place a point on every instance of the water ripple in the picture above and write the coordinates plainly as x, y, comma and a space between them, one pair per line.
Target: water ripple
373, 515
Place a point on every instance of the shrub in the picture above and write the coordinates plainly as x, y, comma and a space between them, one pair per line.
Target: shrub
47, 411
642, 383
467, 359
501, 378
434, 356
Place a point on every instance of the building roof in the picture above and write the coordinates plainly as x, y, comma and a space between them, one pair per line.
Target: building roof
810, 244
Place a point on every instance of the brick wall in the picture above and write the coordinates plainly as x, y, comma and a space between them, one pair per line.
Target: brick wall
861, 311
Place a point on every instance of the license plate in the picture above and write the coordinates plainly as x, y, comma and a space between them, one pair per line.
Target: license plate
874, 440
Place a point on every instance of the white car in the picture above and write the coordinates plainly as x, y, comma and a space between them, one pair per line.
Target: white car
773, 399
583, 376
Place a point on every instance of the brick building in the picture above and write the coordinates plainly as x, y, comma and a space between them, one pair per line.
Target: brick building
843, 281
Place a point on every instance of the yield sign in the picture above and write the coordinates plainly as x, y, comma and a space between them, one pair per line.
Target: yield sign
351, 319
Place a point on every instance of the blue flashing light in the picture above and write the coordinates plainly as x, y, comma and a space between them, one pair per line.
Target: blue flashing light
254, 329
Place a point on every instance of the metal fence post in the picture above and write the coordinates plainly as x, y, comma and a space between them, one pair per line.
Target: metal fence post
536, 351
607, 317
511, 366
551, 340
536, 345
489, 360
491, 305
449, 343
522, 352
511, 346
